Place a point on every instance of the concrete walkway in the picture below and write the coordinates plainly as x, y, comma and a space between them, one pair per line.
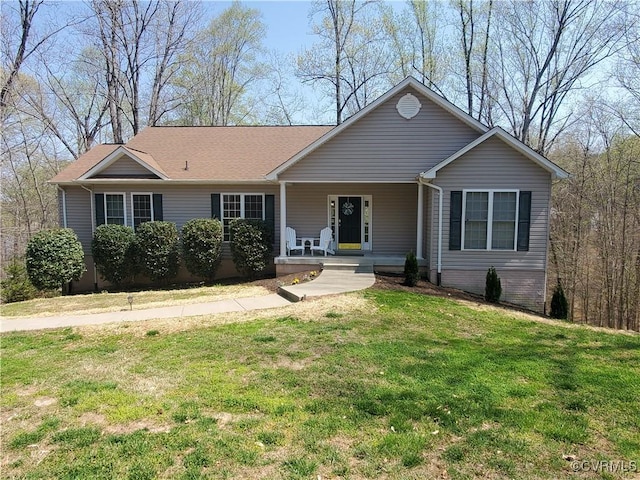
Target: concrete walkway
335, 278
331, 281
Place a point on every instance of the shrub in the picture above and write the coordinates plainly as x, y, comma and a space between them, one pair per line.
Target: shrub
559, 305
251, 246
54, 257
113, 252
17, 287
157, 249
411, 271
493, 287
202, 246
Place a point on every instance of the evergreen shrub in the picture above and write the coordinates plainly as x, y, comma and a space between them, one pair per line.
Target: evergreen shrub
113, 252
411, 271
157, 249
493, 287
251, 246
54, 257
202, 246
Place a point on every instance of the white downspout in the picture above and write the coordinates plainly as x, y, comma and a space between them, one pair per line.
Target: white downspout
440, 193
93, 231
283, 219
64, 206
420, 220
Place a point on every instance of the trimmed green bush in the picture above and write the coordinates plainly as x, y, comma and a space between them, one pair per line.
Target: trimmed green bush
493, 287
559, 304
411, 272
251, 246
17, 287
54, 257
202, 246
113, 252
157, 248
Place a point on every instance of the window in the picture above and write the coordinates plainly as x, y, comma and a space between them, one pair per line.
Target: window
114, 208
241, 205
490, 220
142, 208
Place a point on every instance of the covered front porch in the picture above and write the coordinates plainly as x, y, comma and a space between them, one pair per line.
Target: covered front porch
373, 224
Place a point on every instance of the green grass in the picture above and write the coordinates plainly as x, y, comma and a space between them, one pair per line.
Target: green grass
109, 302
406, 388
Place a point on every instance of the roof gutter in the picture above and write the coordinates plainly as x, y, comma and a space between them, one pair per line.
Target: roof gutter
154, 181
422, 181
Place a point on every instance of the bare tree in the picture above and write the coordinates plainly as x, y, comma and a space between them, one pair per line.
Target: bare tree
547, 49
282, 103
595, 226
173, 32
475, 33
15, 54
327, 63
141, 44
29, 159
220, 67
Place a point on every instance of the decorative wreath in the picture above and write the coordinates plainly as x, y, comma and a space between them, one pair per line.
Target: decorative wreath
347, 208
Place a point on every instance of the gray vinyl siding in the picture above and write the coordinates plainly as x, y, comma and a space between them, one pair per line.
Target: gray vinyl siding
494, 165
520, 287
182, 203
79, 215
385, 147
125, 167
394, 208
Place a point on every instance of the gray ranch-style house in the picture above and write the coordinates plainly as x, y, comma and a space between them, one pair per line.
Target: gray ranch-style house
410, 172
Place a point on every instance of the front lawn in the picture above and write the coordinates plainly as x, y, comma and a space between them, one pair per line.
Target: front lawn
401, 386
83, 304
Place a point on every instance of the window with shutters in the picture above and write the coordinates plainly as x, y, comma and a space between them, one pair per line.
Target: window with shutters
490, 219
241, 205
114, 209
142, 205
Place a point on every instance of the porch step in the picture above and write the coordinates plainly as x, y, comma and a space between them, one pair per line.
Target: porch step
364, 267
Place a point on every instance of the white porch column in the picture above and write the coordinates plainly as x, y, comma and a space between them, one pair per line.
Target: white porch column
420, 223
283, 219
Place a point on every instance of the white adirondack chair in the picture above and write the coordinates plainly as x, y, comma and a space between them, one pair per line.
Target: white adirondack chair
326, 237
292, 242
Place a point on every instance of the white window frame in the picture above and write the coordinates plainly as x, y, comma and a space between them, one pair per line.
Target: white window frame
242, 207
124, 206
490, 193
133, 217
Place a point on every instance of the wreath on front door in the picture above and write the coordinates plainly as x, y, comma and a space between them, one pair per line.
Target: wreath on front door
347, 208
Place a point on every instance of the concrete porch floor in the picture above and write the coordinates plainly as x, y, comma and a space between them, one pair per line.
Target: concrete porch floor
381, 263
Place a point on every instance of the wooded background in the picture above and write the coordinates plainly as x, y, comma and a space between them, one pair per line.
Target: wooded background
563, 76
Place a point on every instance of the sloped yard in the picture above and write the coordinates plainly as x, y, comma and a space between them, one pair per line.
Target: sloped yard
382, 384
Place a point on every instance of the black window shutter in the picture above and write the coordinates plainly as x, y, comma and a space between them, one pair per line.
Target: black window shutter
455, 221
216, 211
157, 207
99, 206
524, 221
270, 212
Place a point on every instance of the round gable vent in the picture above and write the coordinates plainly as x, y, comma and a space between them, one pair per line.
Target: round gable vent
408, 106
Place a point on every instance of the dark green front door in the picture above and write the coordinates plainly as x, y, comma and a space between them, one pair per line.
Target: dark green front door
350, 226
